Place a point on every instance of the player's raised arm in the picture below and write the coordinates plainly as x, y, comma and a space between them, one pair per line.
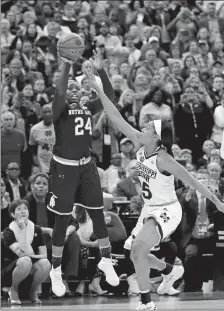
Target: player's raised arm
114, 114
58, 104
167, 163
96, 105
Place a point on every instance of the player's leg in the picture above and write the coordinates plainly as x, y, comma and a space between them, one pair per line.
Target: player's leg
146, 239
91, 197
64, 181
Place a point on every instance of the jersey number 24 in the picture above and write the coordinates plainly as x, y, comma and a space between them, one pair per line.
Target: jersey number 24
146, 193
81, 127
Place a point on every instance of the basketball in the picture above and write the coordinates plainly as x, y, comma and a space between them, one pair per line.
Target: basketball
71, 46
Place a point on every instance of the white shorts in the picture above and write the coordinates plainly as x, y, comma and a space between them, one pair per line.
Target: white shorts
167, 218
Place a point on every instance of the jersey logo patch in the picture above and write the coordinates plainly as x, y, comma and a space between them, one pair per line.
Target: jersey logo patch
145, 172
52, 202
142, 158
164, 216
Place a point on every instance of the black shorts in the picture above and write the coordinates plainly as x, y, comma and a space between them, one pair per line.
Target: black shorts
74, 185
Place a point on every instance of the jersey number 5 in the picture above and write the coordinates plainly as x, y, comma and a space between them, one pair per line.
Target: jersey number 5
146, 193
80, 126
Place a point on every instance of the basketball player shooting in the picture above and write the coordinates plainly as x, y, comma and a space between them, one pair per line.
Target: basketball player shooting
74, 176
161, 213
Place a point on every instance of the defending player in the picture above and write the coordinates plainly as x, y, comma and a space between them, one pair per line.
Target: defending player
74, 176
162, 212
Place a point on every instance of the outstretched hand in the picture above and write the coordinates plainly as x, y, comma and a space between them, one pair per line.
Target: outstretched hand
96, 60
91, 77
220, 206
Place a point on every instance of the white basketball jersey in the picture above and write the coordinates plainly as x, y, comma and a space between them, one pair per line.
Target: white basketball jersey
157, 188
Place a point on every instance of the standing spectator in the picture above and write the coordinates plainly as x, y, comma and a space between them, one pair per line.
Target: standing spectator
42, 140
51, 89
68, 18
12, 141
108, 39
212, 22
217, 90
218, 127
15, 186
134, 53
190, 118
87, 65
204, 59
40, 95
208, 145
155, 108
6, 36
197, 239
17, 76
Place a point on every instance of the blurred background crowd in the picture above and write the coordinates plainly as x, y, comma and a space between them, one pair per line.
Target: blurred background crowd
165, 60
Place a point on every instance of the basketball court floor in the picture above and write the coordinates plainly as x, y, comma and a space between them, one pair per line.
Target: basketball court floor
186, 301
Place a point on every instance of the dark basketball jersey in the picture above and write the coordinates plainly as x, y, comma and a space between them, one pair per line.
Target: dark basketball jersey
73, 132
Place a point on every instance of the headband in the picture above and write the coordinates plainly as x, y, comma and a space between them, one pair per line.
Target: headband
158, 127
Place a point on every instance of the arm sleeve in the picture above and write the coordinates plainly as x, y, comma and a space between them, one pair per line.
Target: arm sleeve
95, 105
9, 237
40, 236
32, 140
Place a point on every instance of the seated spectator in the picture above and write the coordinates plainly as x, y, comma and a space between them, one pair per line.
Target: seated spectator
136, 204
127, 152
5, 201
84, 232
12, 141
115, 172
44, 218
130, 186
15, 186
28, 253
103, 180
42, 139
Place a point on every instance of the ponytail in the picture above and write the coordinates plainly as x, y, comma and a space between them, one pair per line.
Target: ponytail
167, 137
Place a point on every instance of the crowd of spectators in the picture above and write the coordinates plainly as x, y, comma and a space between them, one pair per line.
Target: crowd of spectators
165, 60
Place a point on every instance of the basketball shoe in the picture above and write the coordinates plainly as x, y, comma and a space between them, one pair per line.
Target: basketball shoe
169, 279
148, 306
58, 287
107, 266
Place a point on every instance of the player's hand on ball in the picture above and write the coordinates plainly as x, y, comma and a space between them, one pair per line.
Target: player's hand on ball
65, 60
96, 60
